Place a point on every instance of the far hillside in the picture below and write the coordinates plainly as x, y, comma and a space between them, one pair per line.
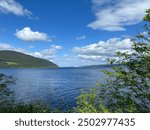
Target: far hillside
101, 66
20, 60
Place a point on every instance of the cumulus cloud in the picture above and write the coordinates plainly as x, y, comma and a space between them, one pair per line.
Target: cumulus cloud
48, 54
51, 55
11, 6
26, 34
80, 37
113, 15
103, 49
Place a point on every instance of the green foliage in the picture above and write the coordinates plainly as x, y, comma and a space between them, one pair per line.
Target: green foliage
11, 64
26, 108
147, 16
17, 59
89, 103
5, 92
127, 88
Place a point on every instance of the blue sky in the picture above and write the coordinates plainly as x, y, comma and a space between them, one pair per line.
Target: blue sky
70, 32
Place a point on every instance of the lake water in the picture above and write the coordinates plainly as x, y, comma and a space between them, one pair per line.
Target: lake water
56, 87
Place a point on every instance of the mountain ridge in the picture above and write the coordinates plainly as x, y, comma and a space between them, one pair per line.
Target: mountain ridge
20, 60
100, 65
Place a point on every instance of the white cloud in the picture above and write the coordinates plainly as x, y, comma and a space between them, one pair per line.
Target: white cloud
11, 6
113, 15
75, 61
80, 37
4, 46
30, 46
146, 37
90, 57
49, 54
103, 49
92, 54
144, 34
26, 34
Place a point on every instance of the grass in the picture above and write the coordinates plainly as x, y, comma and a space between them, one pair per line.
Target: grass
11, 63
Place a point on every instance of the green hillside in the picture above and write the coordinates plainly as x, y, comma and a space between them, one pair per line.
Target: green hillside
20, 60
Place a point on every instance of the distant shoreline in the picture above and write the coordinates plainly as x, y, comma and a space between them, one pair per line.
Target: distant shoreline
79, 67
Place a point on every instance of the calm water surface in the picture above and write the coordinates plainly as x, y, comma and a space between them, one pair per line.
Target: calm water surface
56, 87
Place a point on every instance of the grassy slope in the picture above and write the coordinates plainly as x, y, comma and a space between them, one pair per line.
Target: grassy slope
17, 59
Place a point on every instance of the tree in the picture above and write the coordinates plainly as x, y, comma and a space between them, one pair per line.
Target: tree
5, 92
127, 87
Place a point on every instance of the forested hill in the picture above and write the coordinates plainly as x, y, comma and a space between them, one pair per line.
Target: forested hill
20, 60
101, 66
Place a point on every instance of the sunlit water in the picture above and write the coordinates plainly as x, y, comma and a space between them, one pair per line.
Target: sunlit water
56, 87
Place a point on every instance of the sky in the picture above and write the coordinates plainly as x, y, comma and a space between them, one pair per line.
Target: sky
71, 32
